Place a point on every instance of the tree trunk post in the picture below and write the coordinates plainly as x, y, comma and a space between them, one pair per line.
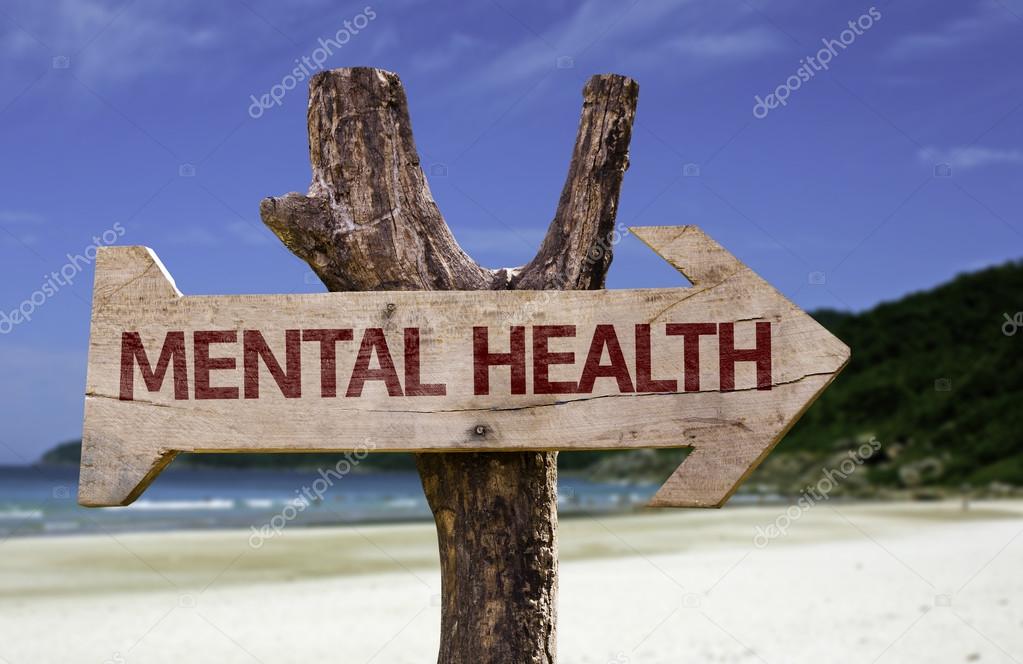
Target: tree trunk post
369, 222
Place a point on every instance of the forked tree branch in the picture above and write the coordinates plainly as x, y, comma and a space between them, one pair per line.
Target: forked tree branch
369, 222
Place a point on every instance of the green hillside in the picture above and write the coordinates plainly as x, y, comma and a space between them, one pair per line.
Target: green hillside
932, 377
935, 379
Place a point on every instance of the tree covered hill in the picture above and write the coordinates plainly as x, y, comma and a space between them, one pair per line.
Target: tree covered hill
935, 379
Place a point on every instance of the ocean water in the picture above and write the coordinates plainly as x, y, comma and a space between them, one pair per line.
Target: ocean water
43, 500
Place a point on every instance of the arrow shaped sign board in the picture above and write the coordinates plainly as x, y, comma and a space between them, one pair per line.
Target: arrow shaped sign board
724, 367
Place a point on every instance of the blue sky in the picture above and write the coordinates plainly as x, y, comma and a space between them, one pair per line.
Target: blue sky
104, 101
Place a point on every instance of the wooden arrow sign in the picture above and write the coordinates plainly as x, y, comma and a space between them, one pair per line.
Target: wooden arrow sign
724, 367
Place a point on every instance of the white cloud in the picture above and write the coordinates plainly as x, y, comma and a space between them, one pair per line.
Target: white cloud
702, 51
193, 236
966, 158
105, 40
20, 217
248, 233
232, 232
951, 34
16, 225
447, 55
744, 43
644, 33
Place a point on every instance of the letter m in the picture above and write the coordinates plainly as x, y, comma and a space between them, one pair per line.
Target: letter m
132, 352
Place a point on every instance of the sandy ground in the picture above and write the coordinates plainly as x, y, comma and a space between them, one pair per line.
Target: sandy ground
923, 582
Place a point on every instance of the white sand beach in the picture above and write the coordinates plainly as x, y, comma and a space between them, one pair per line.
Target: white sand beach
899, 582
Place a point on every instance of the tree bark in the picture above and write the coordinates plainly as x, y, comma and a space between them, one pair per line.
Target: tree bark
369, 222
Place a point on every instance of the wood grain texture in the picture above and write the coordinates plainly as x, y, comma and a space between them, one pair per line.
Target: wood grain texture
368, 221
730, 430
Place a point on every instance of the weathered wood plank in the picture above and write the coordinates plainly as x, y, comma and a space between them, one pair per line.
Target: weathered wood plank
730, 427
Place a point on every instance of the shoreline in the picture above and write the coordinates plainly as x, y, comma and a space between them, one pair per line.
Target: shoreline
568, 513
144, 560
